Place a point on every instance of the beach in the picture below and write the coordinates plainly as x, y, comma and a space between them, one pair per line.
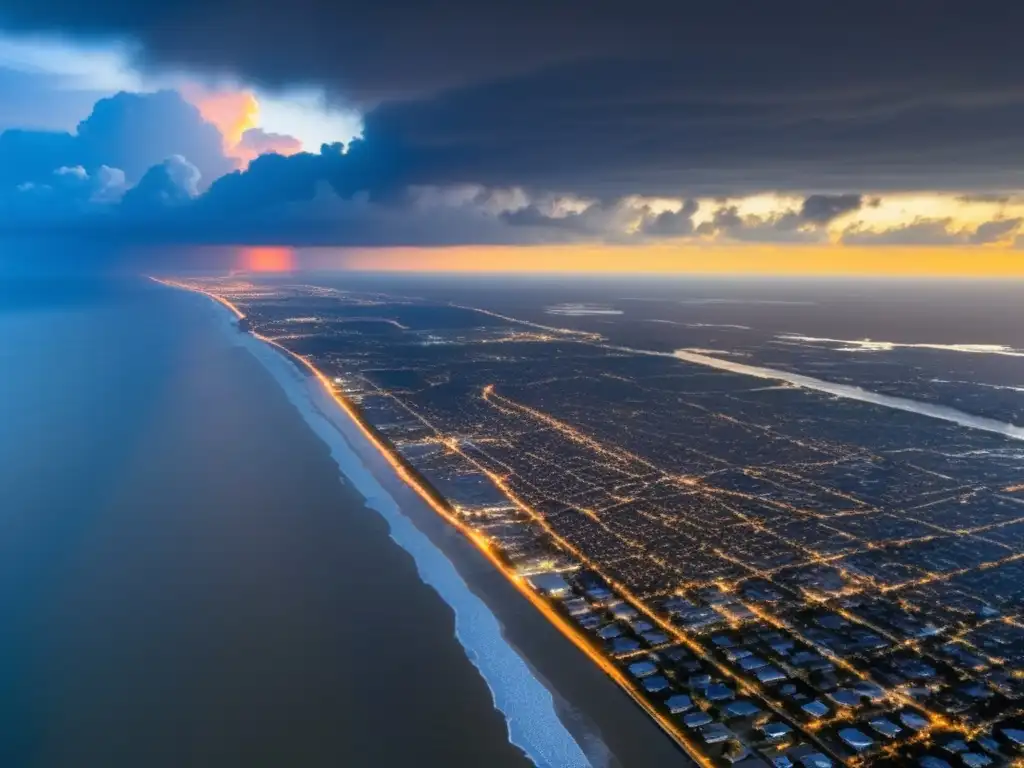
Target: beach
550, 678
183, 578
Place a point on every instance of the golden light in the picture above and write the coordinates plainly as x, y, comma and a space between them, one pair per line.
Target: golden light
232, 112
684, 258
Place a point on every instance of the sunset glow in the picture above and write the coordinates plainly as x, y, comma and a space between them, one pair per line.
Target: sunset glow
234, 113
744, 259
265, 259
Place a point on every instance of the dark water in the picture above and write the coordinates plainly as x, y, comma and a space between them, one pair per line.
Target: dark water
183, 580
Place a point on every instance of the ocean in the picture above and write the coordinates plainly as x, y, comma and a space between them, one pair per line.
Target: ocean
184, 580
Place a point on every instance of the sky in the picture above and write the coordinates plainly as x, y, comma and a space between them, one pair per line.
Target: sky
789, 137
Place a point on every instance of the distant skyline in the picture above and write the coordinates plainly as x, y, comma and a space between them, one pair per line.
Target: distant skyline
732, 140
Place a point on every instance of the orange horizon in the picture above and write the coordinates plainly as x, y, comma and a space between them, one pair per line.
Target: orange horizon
708, 259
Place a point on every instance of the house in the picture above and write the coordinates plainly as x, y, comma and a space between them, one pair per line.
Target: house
598, 594
715, 733
1015, 736
696, 719
975, 760
625, 645
815, 708
576, 606
655, 684
642, 668
752, 663
885, 727
736, 654
699, 682
550, 584
679, 703
815, 760
770, 675
856, 740
914, 721
741, 708
869, 690
622, 611
775, 730
718, 692
844, 697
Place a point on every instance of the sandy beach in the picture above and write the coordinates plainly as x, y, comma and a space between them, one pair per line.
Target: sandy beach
185, 581
604, 722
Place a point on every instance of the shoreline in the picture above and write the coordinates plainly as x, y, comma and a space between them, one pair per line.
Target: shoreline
543, 747
187, 581
612, 728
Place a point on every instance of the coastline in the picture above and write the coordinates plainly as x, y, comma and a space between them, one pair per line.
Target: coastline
185, 579
564, 689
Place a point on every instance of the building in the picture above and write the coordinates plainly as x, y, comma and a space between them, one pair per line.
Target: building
550, 584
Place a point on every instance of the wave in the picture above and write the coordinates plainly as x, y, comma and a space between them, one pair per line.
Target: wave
528, 707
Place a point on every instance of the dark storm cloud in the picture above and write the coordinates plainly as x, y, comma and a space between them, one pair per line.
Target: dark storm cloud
672, 223
131, 132
604, 220
605, 99
278, 200
821, 209
781, 227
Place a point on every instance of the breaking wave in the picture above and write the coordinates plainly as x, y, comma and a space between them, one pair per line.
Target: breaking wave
528, 707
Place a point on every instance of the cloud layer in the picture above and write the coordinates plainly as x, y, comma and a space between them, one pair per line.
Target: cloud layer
148, 168
660, 98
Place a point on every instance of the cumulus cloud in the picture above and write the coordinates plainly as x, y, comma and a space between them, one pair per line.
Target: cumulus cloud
174, 182
128, 131
134, 131
68, 194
